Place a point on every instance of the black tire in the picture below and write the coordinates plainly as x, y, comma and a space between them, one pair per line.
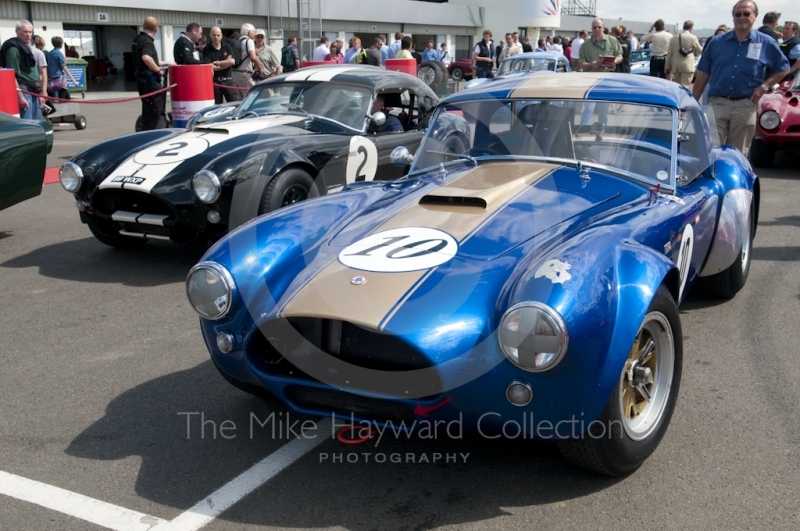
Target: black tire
288, 187
442, 69
625, 443
726, 284
457, 73
429, 73
760, 154
80, 122
115, 240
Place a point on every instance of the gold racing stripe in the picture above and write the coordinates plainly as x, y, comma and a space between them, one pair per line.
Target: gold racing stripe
331, 295
562, 87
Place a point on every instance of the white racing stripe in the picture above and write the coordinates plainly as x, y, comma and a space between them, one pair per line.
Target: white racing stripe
201, 514
326, 73
77, 505
156, 162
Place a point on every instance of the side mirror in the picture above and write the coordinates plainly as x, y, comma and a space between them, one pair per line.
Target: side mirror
401, 157
378, 118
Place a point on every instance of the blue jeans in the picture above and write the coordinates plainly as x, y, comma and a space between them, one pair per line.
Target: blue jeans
33, 112
588, 111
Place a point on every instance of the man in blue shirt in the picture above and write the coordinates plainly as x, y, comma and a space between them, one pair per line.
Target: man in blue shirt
735, 66
430, 53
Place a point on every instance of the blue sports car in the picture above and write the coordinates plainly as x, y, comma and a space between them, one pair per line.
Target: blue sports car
522, 281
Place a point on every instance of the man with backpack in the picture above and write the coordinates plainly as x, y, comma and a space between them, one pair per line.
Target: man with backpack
246, 58
290, 58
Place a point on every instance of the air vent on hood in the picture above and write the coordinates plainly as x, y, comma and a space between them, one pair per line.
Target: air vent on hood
477, 202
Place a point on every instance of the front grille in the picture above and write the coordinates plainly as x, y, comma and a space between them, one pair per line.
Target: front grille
317, 343
342, 403
109, 201
793, 128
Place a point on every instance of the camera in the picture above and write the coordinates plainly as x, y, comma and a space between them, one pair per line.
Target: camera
258, 75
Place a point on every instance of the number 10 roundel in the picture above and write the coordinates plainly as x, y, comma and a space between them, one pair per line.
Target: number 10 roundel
400, 250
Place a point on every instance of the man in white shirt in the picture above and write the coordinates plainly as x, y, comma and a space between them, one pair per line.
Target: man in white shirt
397, 44
322, 50
576, 50
634, 41
659, 41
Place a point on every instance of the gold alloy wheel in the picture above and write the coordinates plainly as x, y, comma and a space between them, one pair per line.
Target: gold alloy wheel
646, 378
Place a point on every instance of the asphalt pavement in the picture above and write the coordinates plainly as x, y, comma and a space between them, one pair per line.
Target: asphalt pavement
103, 363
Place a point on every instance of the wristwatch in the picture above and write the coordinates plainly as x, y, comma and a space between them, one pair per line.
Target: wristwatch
764, 87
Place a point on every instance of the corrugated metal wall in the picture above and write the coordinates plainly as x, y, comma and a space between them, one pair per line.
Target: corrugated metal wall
87, 15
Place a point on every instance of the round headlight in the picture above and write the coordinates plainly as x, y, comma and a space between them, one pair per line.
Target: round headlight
206, 186
769, 120
209, 287
533, 336
71, 176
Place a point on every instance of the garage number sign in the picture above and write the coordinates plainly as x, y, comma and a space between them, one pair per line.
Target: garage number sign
103, 17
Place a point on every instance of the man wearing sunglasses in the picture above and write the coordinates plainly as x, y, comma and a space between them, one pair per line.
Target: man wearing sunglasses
734, 65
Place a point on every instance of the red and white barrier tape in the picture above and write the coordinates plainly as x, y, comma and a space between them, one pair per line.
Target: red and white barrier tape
96, 102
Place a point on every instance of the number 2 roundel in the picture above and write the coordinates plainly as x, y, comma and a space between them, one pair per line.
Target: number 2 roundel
400, 250
362, 160
171, 151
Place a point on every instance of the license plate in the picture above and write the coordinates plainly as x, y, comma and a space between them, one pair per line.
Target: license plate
128, 180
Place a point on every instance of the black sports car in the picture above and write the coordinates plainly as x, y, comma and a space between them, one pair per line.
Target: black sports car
293, 136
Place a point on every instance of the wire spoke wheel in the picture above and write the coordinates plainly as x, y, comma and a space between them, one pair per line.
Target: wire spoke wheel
646, 380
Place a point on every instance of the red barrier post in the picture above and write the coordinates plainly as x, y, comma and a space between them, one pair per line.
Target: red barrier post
9, 101
408, 66
194, 91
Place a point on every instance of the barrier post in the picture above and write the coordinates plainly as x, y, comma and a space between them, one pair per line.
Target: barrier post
408, 66
194, 91
9, 101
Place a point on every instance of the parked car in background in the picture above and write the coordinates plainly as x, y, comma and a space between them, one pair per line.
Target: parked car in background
461, 69
526, 63
294, 136
533, 269
640, 62
777, 123
24, 145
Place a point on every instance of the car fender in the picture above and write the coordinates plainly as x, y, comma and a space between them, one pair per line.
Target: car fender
738, 190
250, 185
603, 298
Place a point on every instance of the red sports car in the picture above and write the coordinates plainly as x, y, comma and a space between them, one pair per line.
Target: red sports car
777, 124
461, 69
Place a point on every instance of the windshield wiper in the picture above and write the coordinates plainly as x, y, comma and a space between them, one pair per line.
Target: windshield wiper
453, 155
296, 107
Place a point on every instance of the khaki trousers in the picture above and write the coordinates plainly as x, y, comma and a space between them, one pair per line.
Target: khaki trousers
243, 79
684, 78
736, 121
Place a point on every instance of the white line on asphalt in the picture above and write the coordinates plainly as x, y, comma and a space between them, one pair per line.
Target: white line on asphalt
77, 505
232, 492
203, 512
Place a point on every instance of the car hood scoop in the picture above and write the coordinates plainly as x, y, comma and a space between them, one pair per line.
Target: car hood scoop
490, 209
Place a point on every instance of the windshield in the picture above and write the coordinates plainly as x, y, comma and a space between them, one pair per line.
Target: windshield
640, 55
529, 63
345, 104
630, 137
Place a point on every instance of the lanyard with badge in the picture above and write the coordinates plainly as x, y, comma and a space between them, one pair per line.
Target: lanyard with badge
754, 51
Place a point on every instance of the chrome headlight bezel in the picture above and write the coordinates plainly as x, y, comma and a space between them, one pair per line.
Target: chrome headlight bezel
536, 310
224, 277
207, 178
769, 120
71, 177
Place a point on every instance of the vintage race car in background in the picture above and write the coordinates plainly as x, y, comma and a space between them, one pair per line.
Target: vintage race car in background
533, 272
24, 145
525, 63
293, 136
461, 69
777, 124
